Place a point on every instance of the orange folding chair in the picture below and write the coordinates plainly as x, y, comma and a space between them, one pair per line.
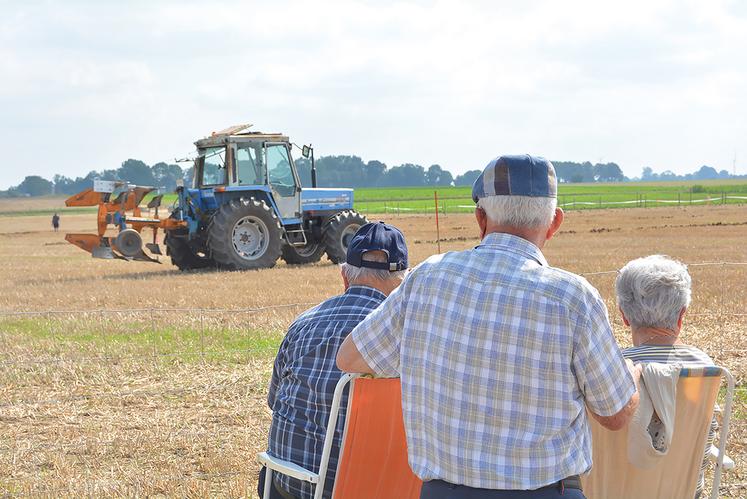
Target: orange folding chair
676, 475
373, 457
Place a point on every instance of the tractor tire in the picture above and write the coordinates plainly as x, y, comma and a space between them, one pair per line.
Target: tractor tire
338, 232
310, 253
183, 256
245, 234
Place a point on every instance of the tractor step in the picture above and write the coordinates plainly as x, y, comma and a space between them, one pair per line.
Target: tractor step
292, 237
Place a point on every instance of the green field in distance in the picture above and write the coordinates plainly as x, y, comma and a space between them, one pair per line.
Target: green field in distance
458, 199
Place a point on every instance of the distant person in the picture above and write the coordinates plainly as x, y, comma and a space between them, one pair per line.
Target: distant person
653, 294
305, 375
500, 355
56, 222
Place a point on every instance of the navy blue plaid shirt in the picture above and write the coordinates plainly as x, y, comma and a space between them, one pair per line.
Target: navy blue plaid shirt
303, 384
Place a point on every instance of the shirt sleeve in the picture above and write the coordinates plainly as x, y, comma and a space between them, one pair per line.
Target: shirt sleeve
277, 373
379, 335
600, 369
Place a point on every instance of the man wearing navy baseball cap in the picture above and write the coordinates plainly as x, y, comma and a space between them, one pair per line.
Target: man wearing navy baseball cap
304, 375
500, 355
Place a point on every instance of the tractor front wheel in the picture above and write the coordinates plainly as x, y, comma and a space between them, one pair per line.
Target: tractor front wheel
181, 253
244, 234
339, 231
305, 254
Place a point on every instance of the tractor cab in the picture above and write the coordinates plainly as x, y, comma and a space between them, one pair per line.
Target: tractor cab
236, 160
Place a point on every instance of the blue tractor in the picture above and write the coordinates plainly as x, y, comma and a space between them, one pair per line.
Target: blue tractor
247, 207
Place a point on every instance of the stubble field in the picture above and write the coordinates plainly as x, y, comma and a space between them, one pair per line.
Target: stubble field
127, 378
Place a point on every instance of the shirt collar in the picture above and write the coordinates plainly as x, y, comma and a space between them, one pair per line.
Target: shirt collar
516, 244
358, 290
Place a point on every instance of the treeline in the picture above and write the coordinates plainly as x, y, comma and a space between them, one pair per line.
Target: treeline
342, 171
161, 175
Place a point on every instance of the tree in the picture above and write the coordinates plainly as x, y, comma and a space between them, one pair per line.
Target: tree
437, 176
136, 172
467, 178
166, 176
406, 175
608, 172
35, 185
374, 172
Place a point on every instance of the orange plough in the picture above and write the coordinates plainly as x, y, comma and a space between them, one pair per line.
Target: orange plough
119, 206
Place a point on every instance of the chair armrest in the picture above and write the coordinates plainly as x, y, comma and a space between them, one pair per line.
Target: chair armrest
713, 456
287, 468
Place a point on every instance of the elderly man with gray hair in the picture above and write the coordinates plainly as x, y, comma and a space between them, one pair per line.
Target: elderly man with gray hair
653, 294
500, 355
304, 375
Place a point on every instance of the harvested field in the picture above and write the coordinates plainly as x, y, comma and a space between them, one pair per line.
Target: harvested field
169, 399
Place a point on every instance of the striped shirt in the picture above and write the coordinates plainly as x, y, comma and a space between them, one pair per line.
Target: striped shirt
499, 354
303, 384
687, 356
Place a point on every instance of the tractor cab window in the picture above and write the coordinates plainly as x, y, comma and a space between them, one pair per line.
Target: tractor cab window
279, 171
213, 169
250, 164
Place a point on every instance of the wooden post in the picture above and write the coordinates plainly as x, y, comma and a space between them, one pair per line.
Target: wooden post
438, 230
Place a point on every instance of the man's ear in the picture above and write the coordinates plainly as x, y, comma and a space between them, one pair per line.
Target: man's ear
556, 223
345, 282
625, 319
482, 221
681, 318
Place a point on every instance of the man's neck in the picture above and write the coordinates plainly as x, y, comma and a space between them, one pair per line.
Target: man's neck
385, 287
534, 236
655, 336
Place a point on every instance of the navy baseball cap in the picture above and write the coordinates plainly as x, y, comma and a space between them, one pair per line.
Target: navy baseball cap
521, 175
378, 237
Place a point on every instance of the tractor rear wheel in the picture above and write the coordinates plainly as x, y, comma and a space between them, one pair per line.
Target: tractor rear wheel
182, 254
305, 254
339, 231
244, 234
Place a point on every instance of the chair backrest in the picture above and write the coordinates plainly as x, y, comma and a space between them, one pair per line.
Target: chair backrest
373, 459
676, 475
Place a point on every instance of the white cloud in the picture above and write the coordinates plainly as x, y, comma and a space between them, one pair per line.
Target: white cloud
654, 83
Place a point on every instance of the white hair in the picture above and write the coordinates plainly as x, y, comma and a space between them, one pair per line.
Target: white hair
652, 291
519, 211
356, 274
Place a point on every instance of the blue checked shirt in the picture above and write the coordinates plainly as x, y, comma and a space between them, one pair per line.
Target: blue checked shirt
303, 383
498, 355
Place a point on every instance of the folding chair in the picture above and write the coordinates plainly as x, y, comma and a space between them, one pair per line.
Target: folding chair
676, 474
373, 458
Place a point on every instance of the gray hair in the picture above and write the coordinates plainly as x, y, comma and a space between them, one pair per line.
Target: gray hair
519, 211
652, 291
355, 274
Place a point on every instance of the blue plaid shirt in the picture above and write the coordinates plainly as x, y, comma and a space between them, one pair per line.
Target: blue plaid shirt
499, 354
303, 383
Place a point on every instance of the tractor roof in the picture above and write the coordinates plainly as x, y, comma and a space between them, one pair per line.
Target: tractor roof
239, 133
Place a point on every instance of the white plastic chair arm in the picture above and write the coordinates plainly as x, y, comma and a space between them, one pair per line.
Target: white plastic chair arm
287, 468
713, 456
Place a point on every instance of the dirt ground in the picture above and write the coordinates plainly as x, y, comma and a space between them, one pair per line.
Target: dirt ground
100, 416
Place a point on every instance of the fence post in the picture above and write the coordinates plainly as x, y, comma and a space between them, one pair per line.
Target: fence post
679, 199
153, 336
438, 231
202, 335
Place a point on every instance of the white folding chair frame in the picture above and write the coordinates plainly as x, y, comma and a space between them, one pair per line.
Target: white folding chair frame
722, 461
288, 468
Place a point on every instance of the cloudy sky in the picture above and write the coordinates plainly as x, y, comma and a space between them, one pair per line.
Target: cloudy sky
86, 85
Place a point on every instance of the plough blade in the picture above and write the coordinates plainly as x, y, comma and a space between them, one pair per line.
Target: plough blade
155, 202
98, 247
154, 248
86, 198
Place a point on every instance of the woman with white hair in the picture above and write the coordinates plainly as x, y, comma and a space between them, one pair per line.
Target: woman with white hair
653, 294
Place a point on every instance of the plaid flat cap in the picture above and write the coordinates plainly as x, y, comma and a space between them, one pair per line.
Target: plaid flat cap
520, 175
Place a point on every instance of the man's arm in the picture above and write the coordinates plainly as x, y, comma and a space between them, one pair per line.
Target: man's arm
622, 418
350, 360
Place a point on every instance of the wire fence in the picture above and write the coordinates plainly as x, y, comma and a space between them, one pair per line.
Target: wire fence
586, 201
